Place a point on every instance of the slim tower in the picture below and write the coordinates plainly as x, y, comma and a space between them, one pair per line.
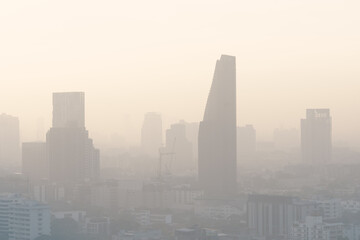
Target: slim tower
316, 143
217, 133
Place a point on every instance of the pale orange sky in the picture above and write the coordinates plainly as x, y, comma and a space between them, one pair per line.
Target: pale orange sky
131, 57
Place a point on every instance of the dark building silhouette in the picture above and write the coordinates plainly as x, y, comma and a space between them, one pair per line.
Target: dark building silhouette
34, 161
316, 143
9, 140
217, 133
72, 156
151, 134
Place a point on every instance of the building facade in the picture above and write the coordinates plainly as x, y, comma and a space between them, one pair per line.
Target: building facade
316, 140
22, 218
71, 153
217, 133
9, 140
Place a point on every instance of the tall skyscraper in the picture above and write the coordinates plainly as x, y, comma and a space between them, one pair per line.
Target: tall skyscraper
72, 156
69, 109
316, 143
151, 134
9, 140
217, 133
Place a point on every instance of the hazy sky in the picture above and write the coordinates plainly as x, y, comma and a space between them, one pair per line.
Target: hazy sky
131, 57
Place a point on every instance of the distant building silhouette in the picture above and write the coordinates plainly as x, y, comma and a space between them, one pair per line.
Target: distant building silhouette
217, 133
246, 140
9, 140
316, 143
34, 161
72, 156
151, 134
177, 142
69, 109
192, 134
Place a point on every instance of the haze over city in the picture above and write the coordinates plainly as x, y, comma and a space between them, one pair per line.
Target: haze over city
141, 56
179, 120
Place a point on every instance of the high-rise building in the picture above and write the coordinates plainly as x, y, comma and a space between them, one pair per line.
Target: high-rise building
177, 143
71, 153
316, 143
217, 133
151, 134
9, 140
34, 161
68, 109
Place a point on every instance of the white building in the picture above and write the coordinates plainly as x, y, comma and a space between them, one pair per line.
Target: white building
146, 217
78, 216
6, 200
352, 232
315, 229
350, 205
97, 225
330, 208
22, 218
216, 211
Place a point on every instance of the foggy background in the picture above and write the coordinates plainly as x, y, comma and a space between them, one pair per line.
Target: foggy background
141, 56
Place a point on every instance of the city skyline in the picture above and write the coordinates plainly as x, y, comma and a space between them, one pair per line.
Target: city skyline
179, 120
310, 60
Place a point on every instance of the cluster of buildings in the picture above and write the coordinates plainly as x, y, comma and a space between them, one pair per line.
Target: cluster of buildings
284, 217
22, 218
62, 179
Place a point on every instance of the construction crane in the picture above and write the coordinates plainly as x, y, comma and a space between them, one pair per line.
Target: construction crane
167, 164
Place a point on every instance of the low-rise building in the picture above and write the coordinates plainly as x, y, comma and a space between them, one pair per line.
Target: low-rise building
147, 217
97, 225
22, 218
315, 229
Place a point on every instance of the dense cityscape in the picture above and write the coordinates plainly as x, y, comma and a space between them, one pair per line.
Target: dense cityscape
208, 180
179, 120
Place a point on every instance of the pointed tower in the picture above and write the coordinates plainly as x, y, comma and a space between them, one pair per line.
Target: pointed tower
217, 133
